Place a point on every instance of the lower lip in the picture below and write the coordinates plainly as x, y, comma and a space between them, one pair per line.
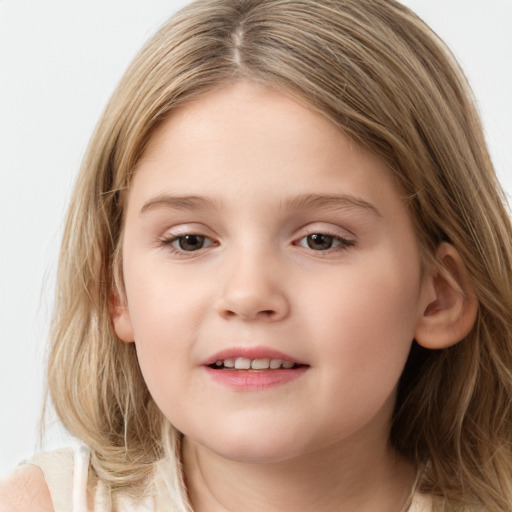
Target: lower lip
254, 380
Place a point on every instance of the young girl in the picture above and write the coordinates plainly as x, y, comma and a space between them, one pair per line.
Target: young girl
285, 282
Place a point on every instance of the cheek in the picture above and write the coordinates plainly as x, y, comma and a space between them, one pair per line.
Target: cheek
164, 339
363, 339
366, 324
159, 301
165, 316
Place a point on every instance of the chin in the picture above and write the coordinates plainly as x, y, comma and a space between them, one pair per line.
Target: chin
249, 453
250, 447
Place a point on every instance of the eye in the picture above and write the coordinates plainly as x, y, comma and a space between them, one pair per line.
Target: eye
324, 242
189, 243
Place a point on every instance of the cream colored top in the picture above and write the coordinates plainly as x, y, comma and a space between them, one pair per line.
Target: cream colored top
66, 474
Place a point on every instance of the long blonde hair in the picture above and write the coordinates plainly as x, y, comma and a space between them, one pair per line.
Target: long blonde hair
383, 77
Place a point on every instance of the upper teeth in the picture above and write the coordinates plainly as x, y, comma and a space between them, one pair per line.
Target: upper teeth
242, 363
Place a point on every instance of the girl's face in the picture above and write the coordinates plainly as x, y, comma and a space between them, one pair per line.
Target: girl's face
257, 233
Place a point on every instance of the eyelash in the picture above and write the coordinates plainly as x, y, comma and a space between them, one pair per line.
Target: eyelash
168, 242
344, 243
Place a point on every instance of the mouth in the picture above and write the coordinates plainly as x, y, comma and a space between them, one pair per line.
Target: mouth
253, 368
264, 364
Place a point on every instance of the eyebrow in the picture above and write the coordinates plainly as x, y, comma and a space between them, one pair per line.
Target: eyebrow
302, 202
335, 201
179, 203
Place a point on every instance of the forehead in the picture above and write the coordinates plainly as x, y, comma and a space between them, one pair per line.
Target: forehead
246, 138
235, 112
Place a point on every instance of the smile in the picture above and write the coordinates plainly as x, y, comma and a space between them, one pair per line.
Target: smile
243, 363
253, 368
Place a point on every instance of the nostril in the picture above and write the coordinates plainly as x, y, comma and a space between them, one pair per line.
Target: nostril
248, 314
252, 304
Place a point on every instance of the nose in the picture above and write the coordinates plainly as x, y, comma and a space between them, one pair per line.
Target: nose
253, 289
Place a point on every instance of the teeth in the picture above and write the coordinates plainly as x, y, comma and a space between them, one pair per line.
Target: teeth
260, 364
242, 363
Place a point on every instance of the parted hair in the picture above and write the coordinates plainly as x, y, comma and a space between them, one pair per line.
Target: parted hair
376, 71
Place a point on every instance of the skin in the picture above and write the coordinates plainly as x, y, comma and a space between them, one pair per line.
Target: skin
349, 312
298, 241
25, 490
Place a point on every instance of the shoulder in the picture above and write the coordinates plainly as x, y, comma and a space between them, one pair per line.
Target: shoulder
421, 503
428, 503
25, 490
42, 484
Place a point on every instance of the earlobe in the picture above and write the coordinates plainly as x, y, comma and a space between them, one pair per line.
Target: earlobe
121, 321
451, 310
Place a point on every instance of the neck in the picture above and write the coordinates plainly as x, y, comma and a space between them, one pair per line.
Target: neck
346, 476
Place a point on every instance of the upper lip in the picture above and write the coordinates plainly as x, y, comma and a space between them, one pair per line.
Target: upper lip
250, 353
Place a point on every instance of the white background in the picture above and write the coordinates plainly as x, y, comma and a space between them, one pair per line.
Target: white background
59, 62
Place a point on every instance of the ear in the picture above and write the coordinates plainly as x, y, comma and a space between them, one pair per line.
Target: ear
120, 318
451, 304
